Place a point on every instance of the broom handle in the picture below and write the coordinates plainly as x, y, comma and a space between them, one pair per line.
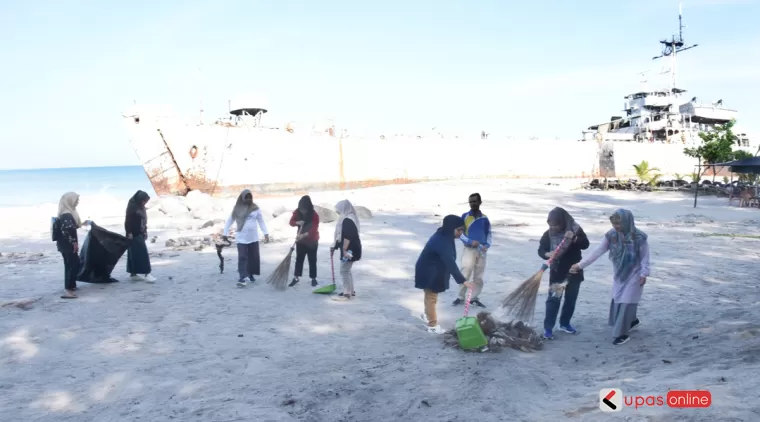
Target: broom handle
467, 302
549, 262
332, 267
296, 241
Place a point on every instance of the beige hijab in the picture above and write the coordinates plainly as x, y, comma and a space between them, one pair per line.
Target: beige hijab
68, 204
346, 210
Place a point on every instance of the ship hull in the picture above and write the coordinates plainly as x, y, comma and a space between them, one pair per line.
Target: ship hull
221, 160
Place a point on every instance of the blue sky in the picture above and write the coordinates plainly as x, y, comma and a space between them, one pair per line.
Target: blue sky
543, 68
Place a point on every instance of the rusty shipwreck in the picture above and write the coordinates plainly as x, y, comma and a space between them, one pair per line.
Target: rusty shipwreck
240, 151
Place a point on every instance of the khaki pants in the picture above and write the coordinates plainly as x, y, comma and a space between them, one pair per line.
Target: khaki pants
347, 277
473, 268
431, 299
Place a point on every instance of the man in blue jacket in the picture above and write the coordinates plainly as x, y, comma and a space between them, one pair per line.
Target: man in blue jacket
477, 240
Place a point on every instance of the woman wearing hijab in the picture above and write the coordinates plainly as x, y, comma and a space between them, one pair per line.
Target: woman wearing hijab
629, 252
67, 241
307, 240
246, 214
349, 244
562, 226
136, 226
435, 266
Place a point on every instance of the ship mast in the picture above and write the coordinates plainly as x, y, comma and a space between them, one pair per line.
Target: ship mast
671, 48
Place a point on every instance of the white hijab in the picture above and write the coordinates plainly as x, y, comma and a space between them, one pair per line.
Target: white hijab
68, 204
346, 210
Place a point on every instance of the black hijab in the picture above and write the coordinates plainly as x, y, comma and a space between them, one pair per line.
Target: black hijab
136, 205
450, 224
561, 218
308, 218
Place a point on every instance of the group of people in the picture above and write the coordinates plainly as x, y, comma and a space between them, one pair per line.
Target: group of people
248, 219
562, 244
65, 236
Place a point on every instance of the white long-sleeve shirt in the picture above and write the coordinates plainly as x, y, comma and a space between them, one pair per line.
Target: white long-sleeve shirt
250, 232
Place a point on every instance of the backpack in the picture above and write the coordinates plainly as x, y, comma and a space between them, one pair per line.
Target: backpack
55, 228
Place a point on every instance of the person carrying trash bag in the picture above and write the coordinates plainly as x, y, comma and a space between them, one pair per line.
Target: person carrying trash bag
64, 232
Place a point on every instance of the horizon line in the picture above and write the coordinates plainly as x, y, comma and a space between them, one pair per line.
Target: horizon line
69, 168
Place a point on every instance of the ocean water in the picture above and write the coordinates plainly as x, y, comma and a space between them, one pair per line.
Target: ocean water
41, 186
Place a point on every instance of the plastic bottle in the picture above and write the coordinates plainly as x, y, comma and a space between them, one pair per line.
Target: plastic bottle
348, 256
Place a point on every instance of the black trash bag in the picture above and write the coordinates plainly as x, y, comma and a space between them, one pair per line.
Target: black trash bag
100, 252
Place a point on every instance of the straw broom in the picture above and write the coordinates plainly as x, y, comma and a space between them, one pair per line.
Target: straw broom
522, 302
279, 278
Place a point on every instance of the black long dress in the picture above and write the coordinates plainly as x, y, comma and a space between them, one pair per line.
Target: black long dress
135, 224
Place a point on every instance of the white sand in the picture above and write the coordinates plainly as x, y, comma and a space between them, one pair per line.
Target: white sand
193, 347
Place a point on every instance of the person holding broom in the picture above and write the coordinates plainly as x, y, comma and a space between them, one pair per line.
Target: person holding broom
245, 215
307, 241
477, 241
436, 265
349, 244
629, 252
562, 226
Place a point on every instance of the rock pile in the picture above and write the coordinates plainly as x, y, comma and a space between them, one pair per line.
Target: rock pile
196, 243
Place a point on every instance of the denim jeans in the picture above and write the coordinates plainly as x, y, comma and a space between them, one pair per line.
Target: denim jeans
568, 307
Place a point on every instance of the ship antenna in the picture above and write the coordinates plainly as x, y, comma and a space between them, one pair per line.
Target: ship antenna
672, 47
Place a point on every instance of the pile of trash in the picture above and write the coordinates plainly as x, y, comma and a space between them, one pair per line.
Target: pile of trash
501, 335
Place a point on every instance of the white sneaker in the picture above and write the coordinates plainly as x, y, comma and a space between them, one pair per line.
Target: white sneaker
149, 278
436, 330
135, 278
423, 317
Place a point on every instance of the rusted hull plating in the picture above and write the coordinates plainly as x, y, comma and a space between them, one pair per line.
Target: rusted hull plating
221, 160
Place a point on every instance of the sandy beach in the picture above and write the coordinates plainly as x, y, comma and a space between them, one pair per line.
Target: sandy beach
193, 347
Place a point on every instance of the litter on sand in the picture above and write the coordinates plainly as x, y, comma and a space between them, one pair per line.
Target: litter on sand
501, 335
220, 243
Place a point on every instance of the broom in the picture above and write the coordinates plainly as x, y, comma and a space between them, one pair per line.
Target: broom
279, 278
522, 302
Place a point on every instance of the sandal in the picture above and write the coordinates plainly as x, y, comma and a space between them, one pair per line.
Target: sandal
68, 294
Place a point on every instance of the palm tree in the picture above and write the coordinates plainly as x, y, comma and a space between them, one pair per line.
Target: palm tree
646, 174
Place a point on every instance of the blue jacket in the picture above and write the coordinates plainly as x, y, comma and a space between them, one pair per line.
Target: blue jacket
437, 263
476, 229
